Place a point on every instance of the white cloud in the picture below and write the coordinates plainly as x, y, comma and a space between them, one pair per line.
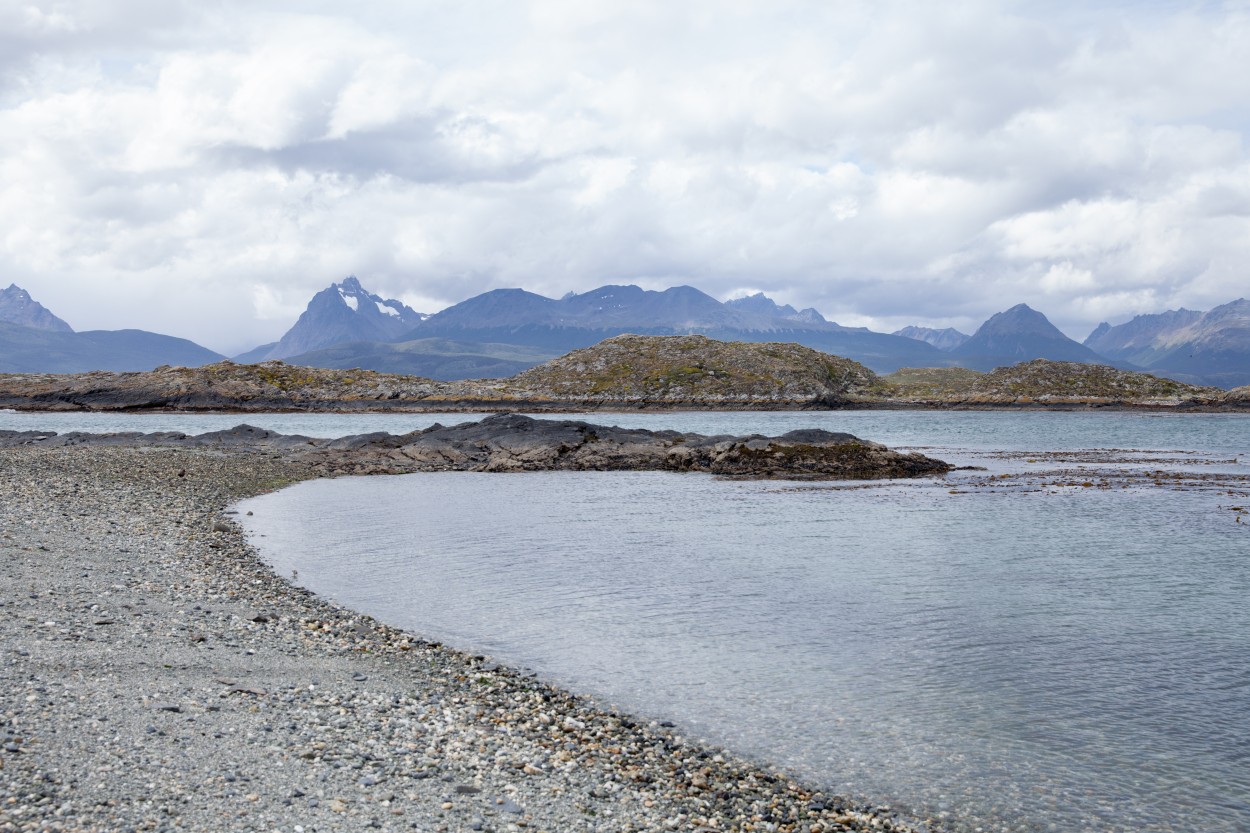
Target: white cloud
883, 162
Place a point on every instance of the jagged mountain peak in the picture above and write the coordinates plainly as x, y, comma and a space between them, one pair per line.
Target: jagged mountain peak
17, 307
760, 304
945, 339
1020, 333
1019, 320
1098, 332
344, 312
1234, 312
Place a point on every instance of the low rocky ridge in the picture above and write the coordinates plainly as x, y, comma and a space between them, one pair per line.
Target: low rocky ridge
1045, 382
224, 385
1238, 395
634, 371
512, 443
627, 371
678, 369
157, 675
931, 384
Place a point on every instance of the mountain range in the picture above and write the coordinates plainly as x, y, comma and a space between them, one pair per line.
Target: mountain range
342, 313
505, 331
33, 340
1211, 348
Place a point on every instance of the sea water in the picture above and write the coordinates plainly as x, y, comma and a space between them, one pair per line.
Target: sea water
1040, 656
947, 429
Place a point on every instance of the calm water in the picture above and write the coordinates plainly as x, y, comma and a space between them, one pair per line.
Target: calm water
969, 429
1033, 657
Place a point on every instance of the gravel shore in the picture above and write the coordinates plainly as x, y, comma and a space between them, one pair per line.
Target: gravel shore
158, 676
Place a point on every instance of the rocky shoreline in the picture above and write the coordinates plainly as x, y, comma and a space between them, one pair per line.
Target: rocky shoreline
158, 676
623, 373
513, 442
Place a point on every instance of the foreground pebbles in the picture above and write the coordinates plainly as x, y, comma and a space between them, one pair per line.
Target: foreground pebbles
157, 676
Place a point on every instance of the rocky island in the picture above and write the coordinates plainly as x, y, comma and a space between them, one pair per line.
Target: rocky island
512, 442
624, 372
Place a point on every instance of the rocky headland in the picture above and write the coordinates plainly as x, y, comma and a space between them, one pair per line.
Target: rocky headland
512, 443
624, 372
1044, 383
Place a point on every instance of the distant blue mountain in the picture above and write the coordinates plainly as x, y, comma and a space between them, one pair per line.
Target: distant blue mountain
761, 304
947, 339
17, 307
1021, 334
33, 340
514, 316
30, 350
1209, 348
1145, 339
342, 313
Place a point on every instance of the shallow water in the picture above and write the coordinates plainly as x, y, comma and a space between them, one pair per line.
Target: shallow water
947, 429
1017, 654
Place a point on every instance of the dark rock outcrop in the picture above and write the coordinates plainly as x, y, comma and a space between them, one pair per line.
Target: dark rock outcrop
515, 443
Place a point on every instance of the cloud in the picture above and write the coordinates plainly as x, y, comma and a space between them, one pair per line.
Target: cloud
888, 163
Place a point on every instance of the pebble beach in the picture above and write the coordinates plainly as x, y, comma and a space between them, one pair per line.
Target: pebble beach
158, 676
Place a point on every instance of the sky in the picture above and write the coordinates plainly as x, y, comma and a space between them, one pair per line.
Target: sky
202, 168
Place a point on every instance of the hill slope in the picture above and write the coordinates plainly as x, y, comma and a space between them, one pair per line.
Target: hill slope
696, 368
1043, 382
27, 350
1144, 339
433, 358
1214, 349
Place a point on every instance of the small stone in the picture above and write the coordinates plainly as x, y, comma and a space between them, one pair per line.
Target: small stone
243, 689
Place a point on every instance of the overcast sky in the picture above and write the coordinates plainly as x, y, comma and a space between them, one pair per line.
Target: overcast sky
202, 168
